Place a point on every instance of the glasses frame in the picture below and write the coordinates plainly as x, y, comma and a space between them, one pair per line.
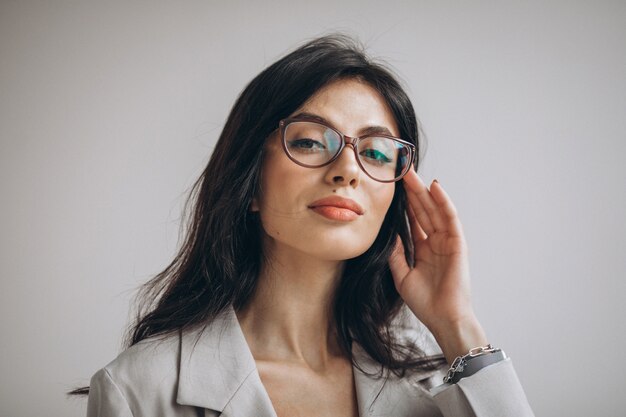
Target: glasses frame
345, 140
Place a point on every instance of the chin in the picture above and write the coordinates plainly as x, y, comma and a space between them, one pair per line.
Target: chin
338, 250
340, 255
335, 244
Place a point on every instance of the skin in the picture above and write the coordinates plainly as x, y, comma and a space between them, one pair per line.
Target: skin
288, 323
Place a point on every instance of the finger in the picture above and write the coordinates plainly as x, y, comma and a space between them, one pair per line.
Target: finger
397, 263
416, 230
428, 204
432, 208
412, 185
420, 215
447, 208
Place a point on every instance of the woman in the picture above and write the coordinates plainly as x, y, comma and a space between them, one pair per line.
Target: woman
311, 235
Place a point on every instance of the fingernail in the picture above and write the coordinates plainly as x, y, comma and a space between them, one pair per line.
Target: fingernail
435, 180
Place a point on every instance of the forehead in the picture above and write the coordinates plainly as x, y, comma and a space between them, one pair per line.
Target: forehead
351, 106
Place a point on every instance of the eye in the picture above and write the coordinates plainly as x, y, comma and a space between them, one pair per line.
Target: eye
375, 156
306, 145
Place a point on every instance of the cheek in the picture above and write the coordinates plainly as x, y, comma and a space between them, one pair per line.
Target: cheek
279, 201
277, 185
382, 197
271, 177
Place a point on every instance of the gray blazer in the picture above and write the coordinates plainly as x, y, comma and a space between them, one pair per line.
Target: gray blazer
212, 373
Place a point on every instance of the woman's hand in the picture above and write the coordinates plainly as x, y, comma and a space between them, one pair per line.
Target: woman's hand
437, 287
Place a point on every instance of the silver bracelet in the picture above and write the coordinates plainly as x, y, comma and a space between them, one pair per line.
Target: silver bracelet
472, 362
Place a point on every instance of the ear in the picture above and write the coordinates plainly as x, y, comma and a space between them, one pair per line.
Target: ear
254, 206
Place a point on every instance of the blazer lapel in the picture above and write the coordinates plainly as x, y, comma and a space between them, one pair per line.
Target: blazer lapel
217, 371
389, 395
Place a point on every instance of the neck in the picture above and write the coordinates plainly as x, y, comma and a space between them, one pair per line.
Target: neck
290, 316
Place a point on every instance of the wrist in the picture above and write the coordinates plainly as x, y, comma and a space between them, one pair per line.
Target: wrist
472, 362
458, 337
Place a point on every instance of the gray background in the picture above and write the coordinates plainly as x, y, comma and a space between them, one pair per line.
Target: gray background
108, 112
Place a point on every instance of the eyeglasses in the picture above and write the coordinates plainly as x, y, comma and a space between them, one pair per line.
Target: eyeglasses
312, 144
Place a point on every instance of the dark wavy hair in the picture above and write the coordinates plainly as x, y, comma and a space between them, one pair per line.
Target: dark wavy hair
220, 259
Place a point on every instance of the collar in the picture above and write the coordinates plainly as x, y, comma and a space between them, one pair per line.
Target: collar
217, 371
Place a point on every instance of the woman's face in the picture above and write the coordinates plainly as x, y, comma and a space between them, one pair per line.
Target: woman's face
333, 212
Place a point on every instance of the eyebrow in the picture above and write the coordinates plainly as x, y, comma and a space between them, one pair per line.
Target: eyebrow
369, 130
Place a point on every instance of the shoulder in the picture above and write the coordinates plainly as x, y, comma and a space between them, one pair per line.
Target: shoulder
408, 329
142, 379
149, 361
203, 366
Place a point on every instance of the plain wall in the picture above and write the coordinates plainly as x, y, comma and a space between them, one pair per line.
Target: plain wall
109, 111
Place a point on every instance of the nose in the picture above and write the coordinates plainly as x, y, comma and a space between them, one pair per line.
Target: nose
345, 170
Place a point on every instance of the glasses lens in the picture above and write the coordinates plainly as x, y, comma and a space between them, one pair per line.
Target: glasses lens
383, 158
310, 143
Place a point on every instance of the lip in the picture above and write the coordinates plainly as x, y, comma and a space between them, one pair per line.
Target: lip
337, 208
